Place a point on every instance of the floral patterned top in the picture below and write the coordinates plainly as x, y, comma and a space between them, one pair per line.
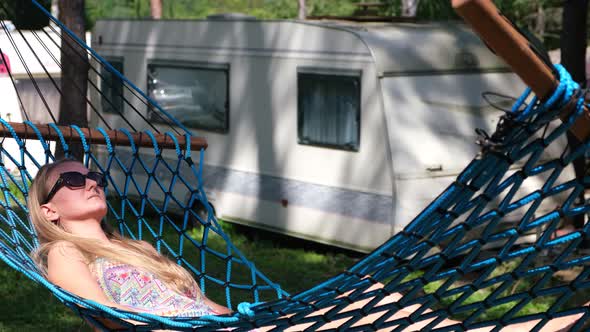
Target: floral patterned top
144, 292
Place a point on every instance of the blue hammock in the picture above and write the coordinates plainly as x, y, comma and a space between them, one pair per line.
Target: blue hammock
442, 246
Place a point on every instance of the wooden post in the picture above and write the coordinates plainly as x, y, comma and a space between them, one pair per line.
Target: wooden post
93, 136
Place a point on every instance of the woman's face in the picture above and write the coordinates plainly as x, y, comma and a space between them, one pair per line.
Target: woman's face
87, 202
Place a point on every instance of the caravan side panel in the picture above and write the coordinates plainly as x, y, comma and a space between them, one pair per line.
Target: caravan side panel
257, 171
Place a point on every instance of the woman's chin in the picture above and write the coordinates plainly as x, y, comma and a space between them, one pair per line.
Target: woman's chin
98, 213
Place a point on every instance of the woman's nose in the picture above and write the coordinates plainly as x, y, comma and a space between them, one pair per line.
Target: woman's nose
90, 184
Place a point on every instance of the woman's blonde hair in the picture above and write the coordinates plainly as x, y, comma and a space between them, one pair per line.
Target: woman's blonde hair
132, 252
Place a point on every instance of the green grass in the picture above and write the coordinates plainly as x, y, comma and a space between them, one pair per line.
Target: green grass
26, 306
537, 305
294, 264
16, 191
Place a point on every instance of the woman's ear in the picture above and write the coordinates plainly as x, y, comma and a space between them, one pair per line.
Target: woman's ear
49, 212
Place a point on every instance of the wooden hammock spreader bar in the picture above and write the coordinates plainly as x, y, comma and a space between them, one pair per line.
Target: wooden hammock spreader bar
93, 136
509, 44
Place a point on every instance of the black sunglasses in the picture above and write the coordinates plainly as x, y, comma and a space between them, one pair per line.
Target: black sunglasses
75, 180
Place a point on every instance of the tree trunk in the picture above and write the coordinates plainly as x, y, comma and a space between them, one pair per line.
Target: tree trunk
302, 14
74, 76
540, 22
54, 11
409, 8
573, 58
156, 9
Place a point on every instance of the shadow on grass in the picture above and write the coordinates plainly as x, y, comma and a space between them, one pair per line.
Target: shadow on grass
27, 306
296, 265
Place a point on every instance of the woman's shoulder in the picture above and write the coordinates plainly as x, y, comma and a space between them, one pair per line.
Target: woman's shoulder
65, 260
64, 250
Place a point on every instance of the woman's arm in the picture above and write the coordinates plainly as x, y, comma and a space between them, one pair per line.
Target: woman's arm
217, 308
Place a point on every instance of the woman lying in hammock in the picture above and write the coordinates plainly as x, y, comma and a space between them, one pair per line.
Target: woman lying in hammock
67, 204
78, 253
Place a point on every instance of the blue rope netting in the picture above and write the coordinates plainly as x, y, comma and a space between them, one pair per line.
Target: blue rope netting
488, 233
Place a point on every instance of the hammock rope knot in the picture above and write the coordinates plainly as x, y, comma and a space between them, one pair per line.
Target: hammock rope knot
244, 309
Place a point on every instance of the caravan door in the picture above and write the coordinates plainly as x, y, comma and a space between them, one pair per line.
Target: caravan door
431, 123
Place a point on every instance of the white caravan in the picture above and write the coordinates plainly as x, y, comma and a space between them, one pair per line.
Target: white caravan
336, 132
31, 57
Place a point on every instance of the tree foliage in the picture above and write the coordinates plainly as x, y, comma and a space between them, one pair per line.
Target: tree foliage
540, 17
24, 14
187, 9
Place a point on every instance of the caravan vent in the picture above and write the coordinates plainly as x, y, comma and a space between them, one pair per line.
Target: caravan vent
232, 16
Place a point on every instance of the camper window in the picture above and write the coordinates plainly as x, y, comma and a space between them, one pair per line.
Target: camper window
112, 88
329, 109
197, 95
